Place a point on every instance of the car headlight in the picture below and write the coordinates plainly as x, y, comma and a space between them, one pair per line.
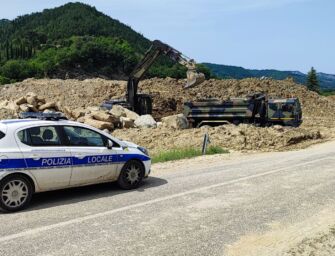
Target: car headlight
144, 150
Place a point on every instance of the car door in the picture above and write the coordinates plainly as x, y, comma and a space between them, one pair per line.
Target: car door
93, 161
46, 157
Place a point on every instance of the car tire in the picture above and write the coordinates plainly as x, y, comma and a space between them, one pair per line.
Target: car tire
131, 175
15, 193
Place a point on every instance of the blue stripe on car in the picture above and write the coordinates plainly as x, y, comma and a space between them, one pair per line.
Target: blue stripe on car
53, 162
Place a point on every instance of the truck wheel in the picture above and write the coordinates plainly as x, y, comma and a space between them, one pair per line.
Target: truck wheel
131, 175
15, 193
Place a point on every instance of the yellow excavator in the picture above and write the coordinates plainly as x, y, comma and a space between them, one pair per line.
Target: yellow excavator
142, 103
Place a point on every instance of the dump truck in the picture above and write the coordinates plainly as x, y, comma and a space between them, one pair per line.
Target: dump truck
255, 109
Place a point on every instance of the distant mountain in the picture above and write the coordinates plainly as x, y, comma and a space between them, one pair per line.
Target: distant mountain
75, 41
327, 81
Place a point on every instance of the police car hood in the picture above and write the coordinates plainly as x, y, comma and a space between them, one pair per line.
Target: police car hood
129, 144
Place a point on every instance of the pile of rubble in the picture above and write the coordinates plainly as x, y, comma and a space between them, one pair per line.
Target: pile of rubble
79, 100
109, 120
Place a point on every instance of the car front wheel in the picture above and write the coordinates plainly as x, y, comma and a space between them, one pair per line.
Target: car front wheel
15, 193
131, 175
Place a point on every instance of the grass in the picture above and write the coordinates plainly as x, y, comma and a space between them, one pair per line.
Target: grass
178, 154
327, 93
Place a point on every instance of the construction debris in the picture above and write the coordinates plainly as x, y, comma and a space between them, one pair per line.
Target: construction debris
82, 100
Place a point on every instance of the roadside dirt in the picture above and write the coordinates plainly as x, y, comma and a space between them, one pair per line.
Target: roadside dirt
285, 240
169, 96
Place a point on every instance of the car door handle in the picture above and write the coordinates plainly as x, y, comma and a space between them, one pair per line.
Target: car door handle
36, 157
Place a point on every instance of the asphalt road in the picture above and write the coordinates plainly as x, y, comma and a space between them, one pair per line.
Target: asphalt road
257, 204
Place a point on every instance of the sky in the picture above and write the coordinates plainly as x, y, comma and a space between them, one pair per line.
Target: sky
256, 34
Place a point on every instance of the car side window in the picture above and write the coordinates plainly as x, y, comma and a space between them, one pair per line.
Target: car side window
43, 136
83, 137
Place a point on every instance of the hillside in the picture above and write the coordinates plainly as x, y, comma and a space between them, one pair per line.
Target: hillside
327, 81
76, 41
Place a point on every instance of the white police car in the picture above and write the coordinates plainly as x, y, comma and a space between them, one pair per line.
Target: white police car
46, 153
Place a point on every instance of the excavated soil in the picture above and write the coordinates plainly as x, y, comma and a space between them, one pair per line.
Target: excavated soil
169, 95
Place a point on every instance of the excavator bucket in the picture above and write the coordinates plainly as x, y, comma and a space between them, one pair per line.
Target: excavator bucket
194, 78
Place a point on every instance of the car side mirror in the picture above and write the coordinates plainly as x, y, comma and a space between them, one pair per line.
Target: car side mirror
110, 144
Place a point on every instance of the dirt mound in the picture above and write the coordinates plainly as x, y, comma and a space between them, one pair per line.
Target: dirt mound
7, 114
169, 96
240, 138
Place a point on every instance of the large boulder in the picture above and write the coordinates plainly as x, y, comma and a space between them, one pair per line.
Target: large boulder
126, 122
119, 111
24, 107
47, 105
131, 115
146, 121
32, 100
77, 113
176, 122
99, 124
102, 116
21, 100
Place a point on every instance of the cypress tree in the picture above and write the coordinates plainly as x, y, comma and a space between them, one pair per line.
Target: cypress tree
312, 81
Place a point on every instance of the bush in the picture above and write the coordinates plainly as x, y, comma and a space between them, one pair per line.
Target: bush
4, 80
18, 69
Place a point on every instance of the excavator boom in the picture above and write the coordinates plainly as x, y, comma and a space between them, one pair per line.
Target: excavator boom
142, 104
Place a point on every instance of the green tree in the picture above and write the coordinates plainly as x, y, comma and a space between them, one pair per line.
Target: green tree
312, 81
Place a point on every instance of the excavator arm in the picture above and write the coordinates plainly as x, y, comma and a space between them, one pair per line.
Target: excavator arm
157, 49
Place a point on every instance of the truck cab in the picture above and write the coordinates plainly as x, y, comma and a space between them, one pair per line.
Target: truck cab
284, 112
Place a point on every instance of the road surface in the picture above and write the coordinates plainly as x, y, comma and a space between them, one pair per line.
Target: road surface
256, 204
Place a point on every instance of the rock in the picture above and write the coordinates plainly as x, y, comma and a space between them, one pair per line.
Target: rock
77, 113
81, 119
146, 121
32, 100
278, 128
41, 100
126, 122
24, 107
102, 116
59, 106
21, 100
50, 110
47, 105
118, 111
67, 111
99, 124
32, 108
176, 122
31, 94
93, 109
132, 115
